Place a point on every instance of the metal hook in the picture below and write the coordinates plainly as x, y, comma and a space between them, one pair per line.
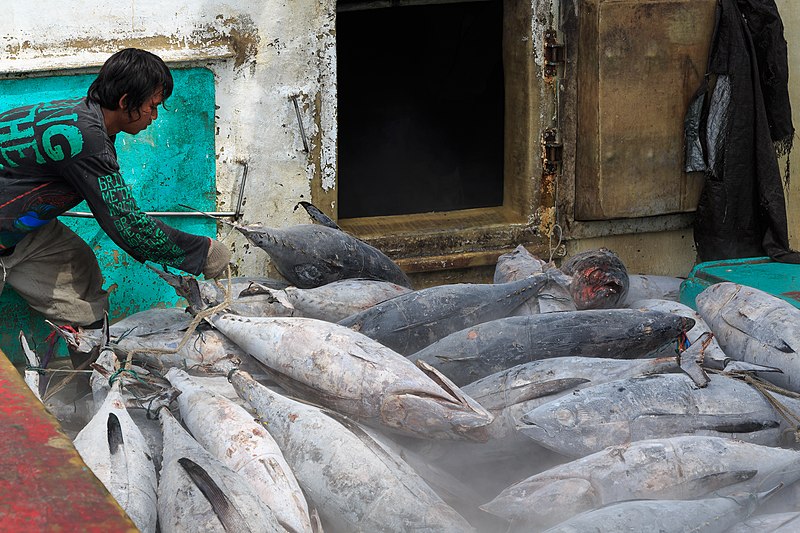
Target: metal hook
300, 123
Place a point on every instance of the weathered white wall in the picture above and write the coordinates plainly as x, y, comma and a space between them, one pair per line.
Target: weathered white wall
261, 53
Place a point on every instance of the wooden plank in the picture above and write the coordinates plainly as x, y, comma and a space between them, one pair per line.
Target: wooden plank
44, 483
640, 64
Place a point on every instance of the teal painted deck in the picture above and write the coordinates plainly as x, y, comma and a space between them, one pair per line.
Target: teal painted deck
170, 163
779, 279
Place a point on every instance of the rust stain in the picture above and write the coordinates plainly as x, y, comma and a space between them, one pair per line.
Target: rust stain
794, 295
239, 33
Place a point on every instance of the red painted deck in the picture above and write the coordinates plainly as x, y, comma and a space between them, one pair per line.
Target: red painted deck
44, 484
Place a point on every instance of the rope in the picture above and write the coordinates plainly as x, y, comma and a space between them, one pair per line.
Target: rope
39, 370
42, 371
199, 317
113, 377
555, 248
766, 388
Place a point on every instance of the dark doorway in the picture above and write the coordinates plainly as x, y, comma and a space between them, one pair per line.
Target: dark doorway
420, 108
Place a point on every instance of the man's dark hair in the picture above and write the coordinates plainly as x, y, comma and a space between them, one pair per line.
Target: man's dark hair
137, 73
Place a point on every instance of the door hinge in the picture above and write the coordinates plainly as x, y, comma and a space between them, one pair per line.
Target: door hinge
552, 151
554, 53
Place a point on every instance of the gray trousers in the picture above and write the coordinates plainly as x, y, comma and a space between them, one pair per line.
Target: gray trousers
56, 272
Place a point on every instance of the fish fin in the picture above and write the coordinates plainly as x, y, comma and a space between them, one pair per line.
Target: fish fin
185, 286
547, 388
228, 515
690, 423
751, 328
734, 366
445, 384
114, 434
705, 484
688, 363
33, 380
273, 295
317, 215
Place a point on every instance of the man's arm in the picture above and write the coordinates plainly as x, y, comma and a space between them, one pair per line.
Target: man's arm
111, 201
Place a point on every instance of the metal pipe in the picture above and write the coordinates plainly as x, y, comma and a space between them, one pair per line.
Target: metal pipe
82, 214
235, 214
238, 213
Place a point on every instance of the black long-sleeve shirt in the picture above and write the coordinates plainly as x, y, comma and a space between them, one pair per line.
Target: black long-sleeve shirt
54, 155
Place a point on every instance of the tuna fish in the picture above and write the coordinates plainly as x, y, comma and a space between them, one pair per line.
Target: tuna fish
679, 468
649, 287
114, 449
773, 523
754, 326
198, 493
412, 321
344, 370
331, 302
663, 405
494, 346
230, 434
508, 395
599, 279
517, 264
710, 515
310, 255
156, 335
553, 296
708, 350
357, 485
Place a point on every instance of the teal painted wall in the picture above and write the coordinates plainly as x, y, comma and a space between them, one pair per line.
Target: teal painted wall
170, 163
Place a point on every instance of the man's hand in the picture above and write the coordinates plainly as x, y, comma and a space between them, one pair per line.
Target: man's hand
218, 258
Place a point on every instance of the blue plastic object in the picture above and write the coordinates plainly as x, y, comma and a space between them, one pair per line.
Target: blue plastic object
779, 279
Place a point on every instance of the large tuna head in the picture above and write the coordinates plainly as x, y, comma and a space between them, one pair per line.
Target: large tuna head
576, 425
452, 415
599, 279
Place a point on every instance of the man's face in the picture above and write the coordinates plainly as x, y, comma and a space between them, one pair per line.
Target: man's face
141, 118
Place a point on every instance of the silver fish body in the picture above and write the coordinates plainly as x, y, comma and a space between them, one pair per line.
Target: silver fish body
339, 299
114, 449
339, 368
647, 287
517, 264
357, 484
553, 297
679, 468
198, 493
662, 405
754, 326
509, 394
709, 515
229, 433
787, 522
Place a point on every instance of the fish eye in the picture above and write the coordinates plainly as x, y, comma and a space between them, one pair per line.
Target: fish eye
566, 417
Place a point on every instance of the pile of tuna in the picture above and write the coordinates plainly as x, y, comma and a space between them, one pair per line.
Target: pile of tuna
577, 398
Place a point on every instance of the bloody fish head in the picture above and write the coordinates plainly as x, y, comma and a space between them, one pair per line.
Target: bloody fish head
599, 279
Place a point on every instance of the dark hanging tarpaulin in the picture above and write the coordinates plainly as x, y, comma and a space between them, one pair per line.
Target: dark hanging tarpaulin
737, 125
